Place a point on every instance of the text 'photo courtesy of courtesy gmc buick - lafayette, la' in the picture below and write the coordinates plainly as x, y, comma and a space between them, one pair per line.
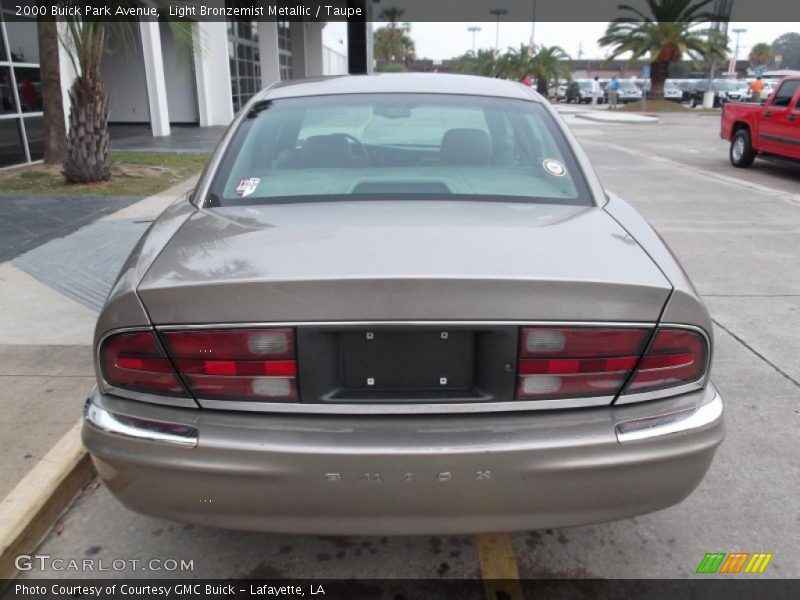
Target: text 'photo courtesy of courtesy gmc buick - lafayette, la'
769, 130
401, 304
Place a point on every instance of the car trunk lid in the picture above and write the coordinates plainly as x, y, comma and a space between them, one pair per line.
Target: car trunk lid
402, 261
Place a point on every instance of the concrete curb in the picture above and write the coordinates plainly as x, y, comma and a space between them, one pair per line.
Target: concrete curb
607, 117
29, 511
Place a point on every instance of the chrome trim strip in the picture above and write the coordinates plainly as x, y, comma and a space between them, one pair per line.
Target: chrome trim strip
647, 428
151, 398
421, 323
625, 399
404, 409
138, 428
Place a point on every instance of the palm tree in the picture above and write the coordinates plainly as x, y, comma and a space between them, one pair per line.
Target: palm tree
85, 43
550, 63
393, 43
87, 157
671, 29
476, 63
760, 55
514, 63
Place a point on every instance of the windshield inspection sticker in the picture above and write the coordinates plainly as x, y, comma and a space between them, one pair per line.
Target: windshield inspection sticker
555, 168
247, 186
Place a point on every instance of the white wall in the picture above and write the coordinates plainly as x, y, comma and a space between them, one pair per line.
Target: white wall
334, 51
179, 77
334, 62
122, 70
212, 73
268, 50
68, 73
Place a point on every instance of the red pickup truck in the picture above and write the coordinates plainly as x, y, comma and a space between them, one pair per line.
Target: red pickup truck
771, 129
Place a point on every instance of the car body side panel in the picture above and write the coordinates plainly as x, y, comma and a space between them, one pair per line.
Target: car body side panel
685, 305
123, 308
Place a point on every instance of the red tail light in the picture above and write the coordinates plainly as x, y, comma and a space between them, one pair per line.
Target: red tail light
236, 364
575, 362
676, 357
135, 361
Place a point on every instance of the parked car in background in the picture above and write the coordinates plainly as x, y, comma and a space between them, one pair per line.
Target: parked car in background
720, 87
740, 92
671, 91
769, 129
401, 304
628, 92
580, 91
689, 86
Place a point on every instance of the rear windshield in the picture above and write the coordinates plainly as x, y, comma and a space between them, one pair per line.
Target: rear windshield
397, 146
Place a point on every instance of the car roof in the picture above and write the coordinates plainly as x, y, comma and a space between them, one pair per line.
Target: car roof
395, 83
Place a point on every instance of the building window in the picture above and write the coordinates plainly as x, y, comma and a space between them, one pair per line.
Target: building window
20, 92
245, 61
285, 49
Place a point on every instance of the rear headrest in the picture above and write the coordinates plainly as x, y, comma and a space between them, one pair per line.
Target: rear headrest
325, 151
466, 147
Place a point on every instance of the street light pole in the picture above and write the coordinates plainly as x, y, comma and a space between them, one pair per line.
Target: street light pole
722, 10
732, 67
473, 30
497, 12
533, 24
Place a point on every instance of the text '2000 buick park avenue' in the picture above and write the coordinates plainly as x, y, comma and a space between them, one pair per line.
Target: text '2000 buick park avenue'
400, 304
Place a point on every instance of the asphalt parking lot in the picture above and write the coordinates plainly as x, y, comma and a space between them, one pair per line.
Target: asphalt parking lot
737, 233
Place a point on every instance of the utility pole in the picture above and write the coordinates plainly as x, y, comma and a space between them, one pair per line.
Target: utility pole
722, 10
732, 66
497, 12
473, 30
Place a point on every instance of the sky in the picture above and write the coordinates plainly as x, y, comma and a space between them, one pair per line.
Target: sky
447, 40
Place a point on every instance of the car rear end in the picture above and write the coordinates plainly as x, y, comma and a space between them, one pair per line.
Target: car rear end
402, 360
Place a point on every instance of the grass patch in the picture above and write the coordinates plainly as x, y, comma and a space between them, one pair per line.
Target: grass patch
132, 174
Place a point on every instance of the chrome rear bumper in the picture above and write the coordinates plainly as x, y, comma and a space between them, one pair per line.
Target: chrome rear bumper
403, 474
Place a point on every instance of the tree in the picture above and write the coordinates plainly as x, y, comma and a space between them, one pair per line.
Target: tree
392, 43
544, 63
53, 126
476, 63
85, 43
760, 55
671, 29
87, 157
550, 63
787, 47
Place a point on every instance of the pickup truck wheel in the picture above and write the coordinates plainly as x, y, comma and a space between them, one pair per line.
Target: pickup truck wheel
742, 154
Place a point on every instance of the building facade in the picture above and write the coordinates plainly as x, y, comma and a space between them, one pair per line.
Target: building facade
159, 76
20, 94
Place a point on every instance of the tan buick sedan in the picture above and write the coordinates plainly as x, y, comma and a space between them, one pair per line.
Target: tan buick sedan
401, 304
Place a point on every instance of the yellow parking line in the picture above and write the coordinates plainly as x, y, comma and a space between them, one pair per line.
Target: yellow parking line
498, 567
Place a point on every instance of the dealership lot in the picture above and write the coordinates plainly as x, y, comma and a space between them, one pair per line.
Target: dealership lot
736, 232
